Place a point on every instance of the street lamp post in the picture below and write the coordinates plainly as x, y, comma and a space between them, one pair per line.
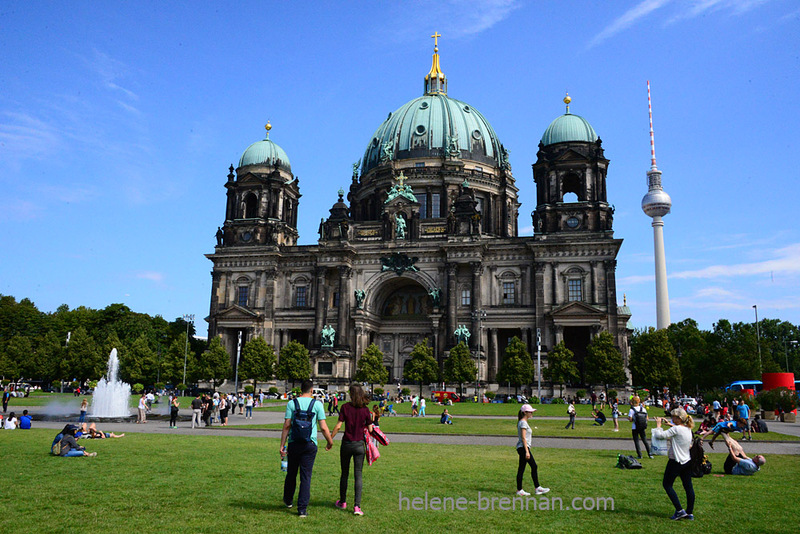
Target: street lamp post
480, 315
758, 339
188, 318
794, 343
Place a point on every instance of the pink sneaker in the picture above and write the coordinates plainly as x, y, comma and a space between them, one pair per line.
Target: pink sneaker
341, 505
357, 511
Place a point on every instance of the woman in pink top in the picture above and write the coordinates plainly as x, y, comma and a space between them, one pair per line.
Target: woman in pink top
356, 417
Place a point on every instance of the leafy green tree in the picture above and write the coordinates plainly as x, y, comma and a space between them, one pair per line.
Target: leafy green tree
139, 363
690, 347
214, 364
561, 367
604, 363
653, 362
370, 367
459, 367
48, 353
173, 361
422, 366
83, 357
293, 363
20, 357
257, 362
517, 368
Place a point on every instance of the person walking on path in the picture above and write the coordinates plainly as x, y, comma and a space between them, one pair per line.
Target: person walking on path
637, 415
6, 398
615, 413
743, 412
248, 406
173, 411
422, 407
197, 410
356, 417
678, 464
571, 413
301, 452
142, 409
84, 408
524, 451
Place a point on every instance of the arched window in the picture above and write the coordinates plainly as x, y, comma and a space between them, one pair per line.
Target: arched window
250, 206
572, 184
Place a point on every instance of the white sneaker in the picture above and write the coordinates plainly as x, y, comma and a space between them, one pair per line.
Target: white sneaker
541, 490
523, 493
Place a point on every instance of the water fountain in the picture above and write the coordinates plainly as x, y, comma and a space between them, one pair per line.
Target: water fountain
111, 396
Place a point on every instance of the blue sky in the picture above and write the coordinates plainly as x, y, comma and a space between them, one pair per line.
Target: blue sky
118, 124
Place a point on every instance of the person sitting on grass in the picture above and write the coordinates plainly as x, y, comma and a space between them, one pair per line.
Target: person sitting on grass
11, 422
724, 427
446, 419
70, 447
25, 421
390, 409
599, 418
737, 462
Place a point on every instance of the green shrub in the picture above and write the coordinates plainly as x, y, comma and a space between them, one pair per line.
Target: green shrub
160, 385
56, 385
490, 395
581, 393
378, 391
249, 389
559, 400
74, 384
643, 394
779, 398
405, 391
182, 387
273, 390
533, 400
297, 391
137, 388
612, 394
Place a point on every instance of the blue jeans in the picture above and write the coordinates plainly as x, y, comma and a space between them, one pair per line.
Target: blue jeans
248, 411
73, 452
82, 418
301, 456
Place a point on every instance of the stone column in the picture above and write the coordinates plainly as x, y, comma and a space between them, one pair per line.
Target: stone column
344, 300
558, 298
559, 333
593, 277
452, 269
477, 303
494, 355
320, 304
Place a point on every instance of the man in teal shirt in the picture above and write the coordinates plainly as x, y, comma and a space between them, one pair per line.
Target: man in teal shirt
301, 454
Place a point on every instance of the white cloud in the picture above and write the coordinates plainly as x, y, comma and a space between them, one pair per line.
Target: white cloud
19, 210
786, 260
684, 10
153, 276
627, 19
22, 136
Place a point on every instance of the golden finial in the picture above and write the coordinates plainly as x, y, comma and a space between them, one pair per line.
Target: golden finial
268, 127
567, 100
435, 80
624, 299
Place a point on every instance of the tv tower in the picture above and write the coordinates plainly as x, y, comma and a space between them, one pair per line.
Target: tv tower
656, 203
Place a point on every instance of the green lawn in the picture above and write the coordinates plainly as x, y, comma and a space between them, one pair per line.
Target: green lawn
198, 484
504, 427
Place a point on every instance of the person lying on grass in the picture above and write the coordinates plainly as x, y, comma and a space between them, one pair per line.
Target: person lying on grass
93, 433
737, 462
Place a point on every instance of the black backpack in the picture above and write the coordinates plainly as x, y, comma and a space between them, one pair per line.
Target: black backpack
302, 422
640, 418
697, 459
628, 462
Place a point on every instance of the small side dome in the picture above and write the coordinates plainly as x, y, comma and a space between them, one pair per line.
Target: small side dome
265, 152
569, 127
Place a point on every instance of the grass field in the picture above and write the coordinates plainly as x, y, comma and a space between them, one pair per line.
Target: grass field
198, 484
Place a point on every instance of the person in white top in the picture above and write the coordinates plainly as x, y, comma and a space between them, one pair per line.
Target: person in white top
142, 409
678, 465
11, 422
524, 452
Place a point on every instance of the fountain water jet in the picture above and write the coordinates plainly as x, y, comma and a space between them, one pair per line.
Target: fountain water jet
111, 396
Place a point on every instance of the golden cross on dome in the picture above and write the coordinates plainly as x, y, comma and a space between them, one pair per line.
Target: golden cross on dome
435, 38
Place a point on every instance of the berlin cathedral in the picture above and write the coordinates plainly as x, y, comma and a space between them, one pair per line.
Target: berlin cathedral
423, 244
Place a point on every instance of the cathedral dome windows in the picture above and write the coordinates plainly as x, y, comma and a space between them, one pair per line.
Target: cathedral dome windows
250, 206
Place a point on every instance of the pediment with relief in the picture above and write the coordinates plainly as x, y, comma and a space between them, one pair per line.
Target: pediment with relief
576, 309
236, 312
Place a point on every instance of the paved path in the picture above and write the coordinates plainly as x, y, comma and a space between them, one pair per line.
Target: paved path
161, 426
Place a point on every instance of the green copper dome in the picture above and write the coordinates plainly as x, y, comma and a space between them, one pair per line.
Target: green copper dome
265, 152
434, 125
569, 127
